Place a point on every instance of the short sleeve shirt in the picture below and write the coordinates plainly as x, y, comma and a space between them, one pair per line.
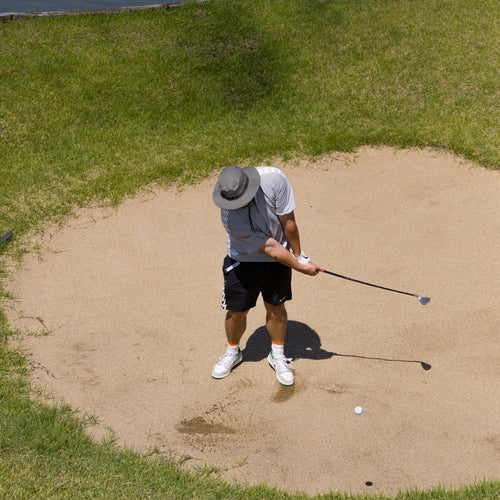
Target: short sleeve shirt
248, 228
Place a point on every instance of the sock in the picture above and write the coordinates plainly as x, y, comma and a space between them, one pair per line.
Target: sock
233, 350
278, 350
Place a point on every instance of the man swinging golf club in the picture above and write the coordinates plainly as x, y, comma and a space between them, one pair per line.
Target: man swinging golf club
263, 246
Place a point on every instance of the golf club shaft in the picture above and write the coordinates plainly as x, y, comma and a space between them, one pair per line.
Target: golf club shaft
369, 284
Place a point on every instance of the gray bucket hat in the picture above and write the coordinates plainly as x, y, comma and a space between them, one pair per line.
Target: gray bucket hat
236, 186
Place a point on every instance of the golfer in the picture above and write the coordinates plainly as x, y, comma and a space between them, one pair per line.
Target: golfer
263, 246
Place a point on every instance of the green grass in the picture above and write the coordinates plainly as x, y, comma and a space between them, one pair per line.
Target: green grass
96, 107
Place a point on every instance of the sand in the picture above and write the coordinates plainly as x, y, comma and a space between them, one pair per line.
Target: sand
122, 320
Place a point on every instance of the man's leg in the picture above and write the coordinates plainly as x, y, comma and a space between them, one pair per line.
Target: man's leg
235, 325
276, 322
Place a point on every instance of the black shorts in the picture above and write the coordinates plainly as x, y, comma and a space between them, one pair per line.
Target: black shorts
244, 283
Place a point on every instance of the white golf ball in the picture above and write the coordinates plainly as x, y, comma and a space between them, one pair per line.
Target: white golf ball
358, 410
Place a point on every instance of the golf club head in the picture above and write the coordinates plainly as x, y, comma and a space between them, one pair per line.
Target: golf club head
424, 300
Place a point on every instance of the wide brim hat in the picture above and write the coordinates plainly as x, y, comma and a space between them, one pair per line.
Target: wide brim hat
236, 186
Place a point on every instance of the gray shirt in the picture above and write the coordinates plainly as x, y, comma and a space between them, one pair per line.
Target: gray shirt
248, 228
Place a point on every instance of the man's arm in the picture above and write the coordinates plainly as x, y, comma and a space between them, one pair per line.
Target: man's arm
291, 232
279, 253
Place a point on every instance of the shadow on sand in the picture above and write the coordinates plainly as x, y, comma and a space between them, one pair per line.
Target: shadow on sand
303, 342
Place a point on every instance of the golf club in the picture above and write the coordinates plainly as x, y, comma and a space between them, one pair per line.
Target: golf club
5, 237
423, 300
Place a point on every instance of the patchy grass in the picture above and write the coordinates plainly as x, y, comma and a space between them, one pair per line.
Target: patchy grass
95, 107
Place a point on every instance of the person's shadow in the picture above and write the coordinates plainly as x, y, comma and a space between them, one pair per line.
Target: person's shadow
301, 342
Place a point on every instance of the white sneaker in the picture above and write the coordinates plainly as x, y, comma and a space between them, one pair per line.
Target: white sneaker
283, 368
225, 364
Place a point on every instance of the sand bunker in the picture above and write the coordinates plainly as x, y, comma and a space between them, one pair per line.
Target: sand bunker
130, 300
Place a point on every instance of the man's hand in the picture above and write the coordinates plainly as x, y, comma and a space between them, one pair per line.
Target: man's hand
310, 269
304, 259
307, 262
279, 253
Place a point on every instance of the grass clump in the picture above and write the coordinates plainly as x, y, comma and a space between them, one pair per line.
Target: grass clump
94, 107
